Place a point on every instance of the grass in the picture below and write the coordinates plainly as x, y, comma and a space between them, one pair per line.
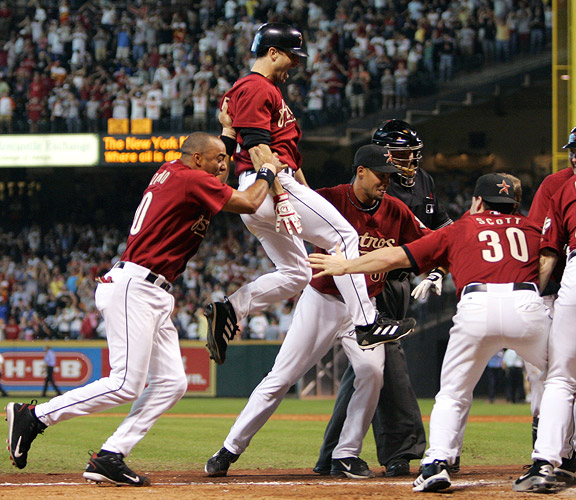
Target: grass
176, 443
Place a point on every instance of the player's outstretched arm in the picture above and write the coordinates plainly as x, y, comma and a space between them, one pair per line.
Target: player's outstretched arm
381, 260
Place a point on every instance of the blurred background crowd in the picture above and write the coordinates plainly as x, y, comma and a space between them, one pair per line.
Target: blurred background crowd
69, 66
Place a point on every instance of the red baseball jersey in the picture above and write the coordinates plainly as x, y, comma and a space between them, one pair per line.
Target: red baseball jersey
548, 188
392, 224
488, 247
256, 102
560, 225
172, 218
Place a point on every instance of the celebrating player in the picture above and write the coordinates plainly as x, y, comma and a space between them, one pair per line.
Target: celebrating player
169, 225
320, 318
295, 213
493, 257
398, 429
556, 408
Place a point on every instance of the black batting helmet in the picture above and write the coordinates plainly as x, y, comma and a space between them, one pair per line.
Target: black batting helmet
279, 35
571, 140
405, 147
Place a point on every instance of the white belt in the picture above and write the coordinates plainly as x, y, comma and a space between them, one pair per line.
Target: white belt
247, 173
143, 273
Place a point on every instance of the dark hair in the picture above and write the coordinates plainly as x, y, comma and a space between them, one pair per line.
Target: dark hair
504, 208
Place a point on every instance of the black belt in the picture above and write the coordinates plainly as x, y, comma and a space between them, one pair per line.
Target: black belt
572, 254
483, 287
151, 278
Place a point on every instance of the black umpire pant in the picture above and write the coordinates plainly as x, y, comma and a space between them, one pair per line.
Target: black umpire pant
397, 423
50, 380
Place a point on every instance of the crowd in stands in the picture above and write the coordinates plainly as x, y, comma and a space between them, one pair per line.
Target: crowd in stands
69, 66
47, 281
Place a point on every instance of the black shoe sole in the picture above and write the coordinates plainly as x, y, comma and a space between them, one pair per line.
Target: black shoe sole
212, 345
94, 477
372, 346
10, 419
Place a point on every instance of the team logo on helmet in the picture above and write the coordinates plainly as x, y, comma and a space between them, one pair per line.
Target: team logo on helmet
503, 187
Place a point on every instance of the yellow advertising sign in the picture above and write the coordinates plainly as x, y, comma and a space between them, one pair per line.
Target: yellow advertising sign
133, 150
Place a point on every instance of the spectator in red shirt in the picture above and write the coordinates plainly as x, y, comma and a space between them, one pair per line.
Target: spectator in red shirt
12, 331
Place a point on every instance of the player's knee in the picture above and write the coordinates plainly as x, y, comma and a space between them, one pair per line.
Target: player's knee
180, 387
298, 278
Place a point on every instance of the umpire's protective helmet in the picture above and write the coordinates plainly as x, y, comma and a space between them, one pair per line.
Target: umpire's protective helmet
279, 35
571, 140
405, 147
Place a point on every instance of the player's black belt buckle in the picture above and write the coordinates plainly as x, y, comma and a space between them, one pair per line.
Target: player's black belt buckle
483, 287
151, 278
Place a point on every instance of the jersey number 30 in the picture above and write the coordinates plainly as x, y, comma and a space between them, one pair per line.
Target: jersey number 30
518, 248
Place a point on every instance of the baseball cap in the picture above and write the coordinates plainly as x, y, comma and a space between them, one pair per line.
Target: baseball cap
495, 189
571, 140
374, 157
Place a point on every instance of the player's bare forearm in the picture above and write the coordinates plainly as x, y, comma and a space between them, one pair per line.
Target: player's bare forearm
548, 260
381, 260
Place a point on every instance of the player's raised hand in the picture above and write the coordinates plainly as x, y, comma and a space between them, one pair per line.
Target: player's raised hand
286, 215
226, 120
331, 265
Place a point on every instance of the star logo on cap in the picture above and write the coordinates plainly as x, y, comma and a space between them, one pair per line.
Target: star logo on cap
503, 187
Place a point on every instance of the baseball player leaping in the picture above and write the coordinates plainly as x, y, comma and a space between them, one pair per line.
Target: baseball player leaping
320, 318
260, 116
493, 257
145, 361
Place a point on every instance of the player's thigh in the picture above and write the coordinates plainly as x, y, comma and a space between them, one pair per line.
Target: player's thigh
468, 351
365, 363
132, 310
322, 224
166, 361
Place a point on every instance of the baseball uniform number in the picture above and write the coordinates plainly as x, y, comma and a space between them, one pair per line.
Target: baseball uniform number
516, 242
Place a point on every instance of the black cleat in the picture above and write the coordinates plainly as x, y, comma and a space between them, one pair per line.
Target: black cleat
352, 467
23, 427
220, 462
397, 468
539, 479
433, 477
566, 471
382, 331
222, 328
109, 467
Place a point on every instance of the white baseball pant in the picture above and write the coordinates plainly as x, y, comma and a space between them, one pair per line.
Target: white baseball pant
143, 349
556, 409
322, 226
319, 320
485, 322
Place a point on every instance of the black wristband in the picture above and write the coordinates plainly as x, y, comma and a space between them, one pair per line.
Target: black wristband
439, 271
266, 174
229, 143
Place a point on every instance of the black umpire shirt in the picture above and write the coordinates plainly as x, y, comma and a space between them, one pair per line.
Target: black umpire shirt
421, 199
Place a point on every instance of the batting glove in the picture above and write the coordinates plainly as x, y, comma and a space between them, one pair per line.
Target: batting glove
286, 215
433, 281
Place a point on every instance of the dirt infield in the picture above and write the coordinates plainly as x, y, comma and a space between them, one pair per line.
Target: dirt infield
470, 483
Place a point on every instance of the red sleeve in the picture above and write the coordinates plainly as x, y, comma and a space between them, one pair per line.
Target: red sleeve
553, 234
208, 191
430, 251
